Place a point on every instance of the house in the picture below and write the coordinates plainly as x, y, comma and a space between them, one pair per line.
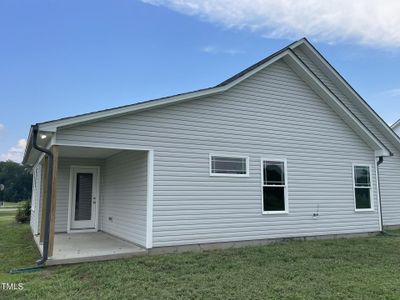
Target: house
285, 148
396, 127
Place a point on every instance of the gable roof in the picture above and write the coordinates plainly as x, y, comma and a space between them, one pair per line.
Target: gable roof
289, 57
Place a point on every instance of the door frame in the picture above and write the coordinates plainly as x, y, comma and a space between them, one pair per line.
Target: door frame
72, 183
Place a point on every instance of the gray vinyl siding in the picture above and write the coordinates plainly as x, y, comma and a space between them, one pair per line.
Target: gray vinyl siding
397, 130
124, 196
390, 169
272, 114
63, 179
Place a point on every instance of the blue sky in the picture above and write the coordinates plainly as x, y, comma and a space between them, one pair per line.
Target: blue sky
61, 58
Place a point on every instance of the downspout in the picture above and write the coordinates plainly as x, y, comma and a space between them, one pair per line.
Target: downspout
45, 254
379, 162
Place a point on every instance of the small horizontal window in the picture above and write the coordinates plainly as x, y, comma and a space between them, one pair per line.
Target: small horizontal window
274, 192
362, 187
228, 166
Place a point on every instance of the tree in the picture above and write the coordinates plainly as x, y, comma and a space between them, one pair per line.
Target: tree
17, 180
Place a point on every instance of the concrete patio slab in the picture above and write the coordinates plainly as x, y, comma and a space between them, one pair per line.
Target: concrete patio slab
94, 246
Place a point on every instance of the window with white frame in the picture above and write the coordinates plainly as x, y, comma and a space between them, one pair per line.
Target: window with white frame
274, 186
221, 165
362, 187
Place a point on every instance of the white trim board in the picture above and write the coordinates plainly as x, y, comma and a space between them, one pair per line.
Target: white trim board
104, 146
149, 202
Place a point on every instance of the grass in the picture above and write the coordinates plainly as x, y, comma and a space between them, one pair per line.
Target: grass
11, 204
359, 268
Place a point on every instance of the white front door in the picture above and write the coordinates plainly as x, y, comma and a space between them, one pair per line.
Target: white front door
84, 198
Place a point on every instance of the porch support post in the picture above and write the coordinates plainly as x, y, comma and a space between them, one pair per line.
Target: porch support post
55, 150
43, 198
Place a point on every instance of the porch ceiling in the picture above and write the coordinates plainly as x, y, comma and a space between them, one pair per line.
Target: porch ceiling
85, 152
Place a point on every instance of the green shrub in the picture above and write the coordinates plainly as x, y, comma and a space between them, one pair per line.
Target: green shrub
24, 212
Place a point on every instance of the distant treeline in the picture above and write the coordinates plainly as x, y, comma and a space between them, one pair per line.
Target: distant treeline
17, 180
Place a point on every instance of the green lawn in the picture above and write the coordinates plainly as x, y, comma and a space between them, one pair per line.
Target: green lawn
11, 204
360, 268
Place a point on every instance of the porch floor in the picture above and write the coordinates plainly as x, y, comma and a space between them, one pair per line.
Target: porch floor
94, 246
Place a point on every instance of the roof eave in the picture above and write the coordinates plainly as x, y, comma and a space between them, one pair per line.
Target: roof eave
31, 155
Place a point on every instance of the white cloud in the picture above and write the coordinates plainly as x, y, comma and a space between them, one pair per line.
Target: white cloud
368, 22
15, 153
2, 127
218, 50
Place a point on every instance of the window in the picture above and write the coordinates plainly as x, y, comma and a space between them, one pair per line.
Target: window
362, 187
274, 186
234, 166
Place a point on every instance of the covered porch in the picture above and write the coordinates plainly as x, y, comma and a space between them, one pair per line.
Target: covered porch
100, 204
